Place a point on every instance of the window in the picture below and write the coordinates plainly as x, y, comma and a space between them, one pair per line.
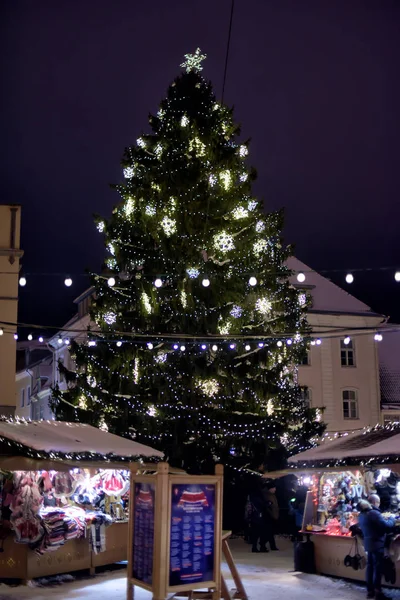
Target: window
306, 396
23, 398
350, 404
28, 395
347, 354
306, 359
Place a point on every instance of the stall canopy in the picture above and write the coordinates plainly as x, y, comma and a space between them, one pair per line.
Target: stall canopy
377, 446
28, 444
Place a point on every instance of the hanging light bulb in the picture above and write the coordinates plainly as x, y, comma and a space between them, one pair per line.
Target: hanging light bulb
289, 342
205, 282
347, 340
312, 342
175, 346
261, 344
253, 281
15, 336
68, 281
92, 343
232, 346
214, 348
119, 344
203, 347
60, 340
41, 340
30, 337
111, 281
1, 331
397, 276
158, 282
349, 278
318, 342
150, 346
183, 348
279, 343
66, 341
301, 277
378, 337
22, 281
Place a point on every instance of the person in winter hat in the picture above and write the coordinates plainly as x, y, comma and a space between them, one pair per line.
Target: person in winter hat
374, 528
271, 512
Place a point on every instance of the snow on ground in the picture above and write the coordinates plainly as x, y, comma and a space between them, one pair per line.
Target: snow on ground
265, 576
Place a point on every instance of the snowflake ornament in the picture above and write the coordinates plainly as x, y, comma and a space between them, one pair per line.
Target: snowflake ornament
193, 272
193, 61
160, 358
129, 172
243, 177
240, 213
263, 306
209, 387
184, 121
101, 226
212, 180
129, 206
236, 312
110, 318
169, 226
260, 226
150, 210
252, 205
243, 151
259, 247
223, 242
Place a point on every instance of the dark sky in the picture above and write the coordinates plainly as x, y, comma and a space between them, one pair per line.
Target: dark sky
315, 84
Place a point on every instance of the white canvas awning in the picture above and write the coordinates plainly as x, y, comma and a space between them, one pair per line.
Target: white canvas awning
71, 439
380, 445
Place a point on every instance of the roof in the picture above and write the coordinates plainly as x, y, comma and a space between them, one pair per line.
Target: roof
380, 445
59, 440
327, 296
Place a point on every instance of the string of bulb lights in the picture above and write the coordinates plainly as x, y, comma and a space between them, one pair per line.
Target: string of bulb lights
301, 276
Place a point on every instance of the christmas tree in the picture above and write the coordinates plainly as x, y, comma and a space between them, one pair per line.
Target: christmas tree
196, 326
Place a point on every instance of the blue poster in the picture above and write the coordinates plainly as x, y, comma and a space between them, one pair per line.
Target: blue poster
192, 534
143, 532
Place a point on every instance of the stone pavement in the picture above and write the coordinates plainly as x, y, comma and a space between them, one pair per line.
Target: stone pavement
265, 576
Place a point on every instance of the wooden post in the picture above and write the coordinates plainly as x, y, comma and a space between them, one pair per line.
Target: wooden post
130, 592
161, 525
219, 472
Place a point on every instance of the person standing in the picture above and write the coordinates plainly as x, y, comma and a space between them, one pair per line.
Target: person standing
374, 529
271, 513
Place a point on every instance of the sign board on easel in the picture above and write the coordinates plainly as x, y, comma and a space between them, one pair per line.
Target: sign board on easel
175, 532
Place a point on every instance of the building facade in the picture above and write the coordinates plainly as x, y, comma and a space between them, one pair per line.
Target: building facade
341, 373
10, 255
33, 381
389, 358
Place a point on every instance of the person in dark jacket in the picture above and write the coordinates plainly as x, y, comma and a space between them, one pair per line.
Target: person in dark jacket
256, 513
374, 528
271, 513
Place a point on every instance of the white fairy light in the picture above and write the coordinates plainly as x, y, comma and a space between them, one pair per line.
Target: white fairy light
253, 281
129, 206
169, 226
279, 344
129, 172
140, 142
247, 347
193, 272
212, 180
182, 348
223, 242
22, 281
150, 210
240, 213
30, 337
243, 177
214, 348
111, 282
347, 340
349, 278
226, 179
263, 306
260, 226
206, 282
243, 151
193, 61
119, 344
158, 282
301, 277
252, 205
184, 121
259, 247
68, 281
236, 312
110, 318
146, 303
100, 226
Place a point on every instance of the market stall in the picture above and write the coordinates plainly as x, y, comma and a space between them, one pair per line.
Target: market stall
64, 497
342, 472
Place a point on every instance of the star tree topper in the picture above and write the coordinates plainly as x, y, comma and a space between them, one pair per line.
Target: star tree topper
193, 61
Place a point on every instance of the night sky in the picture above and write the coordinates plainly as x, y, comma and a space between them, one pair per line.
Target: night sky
315, 84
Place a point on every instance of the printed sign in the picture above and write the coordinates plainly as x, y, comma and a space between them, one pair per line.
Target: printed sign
192, 534
143, 532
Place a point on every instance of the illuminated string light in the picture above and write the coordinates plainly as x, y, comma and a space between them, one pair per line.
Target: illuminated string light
301, 277
68, 281
253, 281
41, 340
111, 282
158, 283
397, 276
247, 347
30, 337
150, 345
347, 340
378, 337
22, 281
206, 282
349, 278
